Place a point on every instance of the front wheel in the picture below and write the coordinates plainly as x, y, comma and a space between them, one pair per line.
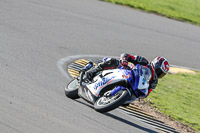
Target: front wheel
105, 104
71, 90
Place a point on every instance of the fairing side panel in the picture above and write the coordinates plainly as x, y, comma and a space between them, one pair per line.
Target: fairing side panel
111, 77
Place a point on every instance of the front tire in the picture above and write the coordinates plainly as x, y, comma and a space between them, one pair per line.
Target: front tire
103, 104
71, 90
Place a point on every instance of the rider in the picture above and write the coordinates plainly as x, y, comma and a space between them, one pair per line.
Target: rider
159, 67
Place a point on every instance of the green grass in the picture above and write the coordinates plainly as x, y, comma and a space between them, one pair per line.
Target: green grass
178, 96
183, 10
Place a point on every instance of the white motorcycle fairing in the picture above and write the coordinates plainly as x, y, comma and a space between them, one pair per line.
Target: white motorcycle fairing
108, 77
138, 79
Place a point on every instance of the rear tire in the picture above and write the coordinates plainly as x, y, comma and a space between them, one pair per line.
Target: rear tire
71, 90
101, 105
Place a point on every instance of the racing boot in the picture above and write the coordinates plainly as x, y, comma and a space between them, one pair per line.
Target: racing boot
91, 73
87, 67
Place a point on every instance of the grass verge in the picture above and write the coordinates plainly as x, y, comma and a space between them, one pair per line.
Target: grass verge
178, 96
183, 10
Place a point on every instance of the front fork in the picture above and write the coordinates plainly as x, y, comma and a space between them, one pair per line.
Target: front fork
117, 89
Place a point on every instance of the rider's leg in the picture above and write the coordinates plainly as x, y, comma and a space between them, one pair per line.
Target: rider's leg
110, 63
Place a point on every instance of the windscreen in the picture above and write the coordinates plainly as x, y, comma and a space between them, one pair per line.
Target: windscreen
146, 72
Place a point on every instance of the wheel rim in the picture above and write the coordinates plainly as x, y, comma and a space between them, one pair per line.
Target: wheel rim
103, 101
73, 85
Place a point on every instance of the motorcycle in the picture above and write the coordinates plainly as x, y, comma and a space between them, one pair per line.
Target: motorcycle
110, 89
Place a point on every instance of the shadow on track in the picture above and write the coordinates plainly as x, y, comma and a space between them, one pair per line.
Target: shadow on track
130, 123
120, 119
87, 104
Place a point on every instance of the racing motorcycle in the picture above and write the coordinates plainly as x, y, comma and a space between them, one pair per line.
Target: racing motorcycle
110, 89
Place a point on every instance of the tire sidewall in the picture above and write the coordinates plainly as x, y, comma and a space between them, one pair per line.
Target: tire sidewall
73, 94
112, 105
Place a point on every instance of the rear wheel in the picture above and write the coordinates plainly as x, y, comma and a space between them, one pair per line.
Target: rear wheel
107, 103
71, 90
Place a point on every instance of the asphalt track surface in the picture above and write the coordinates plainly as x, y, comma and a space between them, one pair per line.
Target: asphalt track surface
34, 35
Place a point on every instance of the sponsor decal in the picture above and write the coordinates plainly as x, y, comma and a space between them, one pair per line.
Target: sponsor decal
143, 81
103, 82
128, 76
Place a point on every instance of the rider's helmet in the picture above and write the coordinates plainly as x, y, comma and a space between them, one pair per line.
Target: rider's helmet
161, 66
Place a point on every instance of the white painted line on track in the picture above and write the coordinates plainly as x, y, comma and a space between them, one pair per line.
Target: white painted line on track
193, 69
